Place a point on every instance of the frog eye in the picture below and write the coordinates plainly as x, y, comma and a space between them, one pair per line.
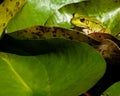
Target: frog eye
82, 20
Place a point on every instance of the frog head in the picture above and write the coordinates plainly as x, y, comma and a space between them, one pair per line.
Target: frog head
89, 23
79, 21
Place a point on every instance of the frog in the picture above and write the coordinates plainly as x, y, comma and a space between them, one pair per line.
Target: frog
88, 24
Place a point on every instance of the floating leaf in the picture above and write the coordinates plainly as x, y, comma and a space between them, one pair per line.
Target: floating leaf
39, 12
107, 11
113, 90
65, 69
8, 9
111, 52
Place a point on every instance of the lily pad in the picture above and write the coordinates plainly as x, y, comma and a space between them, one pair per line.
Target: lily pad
8, 9
36, 12
113, 90
57, 13
65, 69
107, 11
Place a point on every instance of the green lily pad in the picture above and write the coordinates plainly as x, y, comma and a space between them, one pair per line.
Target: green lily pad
36, 12
59, 13
113, 90
107, 11
65, 69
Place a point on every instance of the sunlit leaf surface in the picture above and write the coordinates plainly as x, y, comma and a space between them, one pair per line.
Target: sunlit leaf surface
107, 11
37, 12
48, 68
59, 13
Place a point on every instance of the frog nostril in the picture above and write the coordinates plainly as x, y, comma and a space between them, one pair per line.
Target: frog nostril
82, 20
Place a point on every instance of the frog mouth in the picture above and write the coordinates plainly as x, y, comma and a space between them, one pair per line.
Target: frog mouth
83, 27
